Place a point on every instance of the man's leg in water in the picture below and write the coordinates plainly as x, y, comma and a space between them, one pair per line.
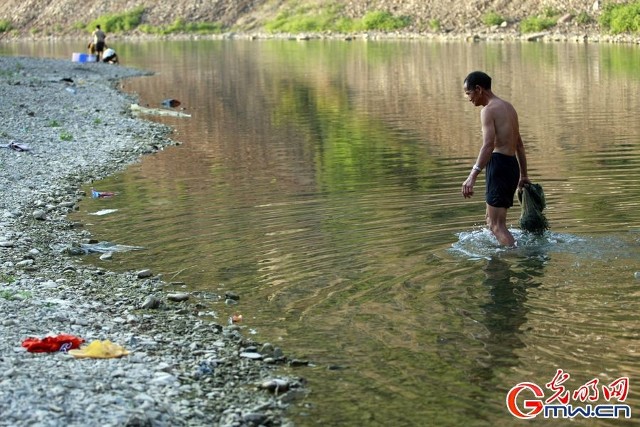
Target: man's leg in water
497, 223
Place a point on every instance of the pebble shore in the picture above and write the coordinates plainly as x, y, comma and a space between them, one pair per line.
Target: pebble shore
184, 369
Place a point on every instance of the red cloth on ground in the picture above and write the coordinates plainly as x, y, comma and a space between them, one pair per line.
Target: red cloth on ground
62, 342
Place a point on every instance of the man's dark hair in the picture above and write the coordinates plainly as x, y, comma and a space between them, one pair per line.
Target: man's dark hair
478, 78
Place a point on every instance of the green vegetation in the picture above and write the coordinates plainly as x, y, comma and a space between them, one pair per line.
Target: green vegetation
97, 121
621, 18
118, 22
384, 21
132, 20
492, 18
66, 136
306, 18
329, 18
180, 26
53, 124
11, 295
7, 278
435, 25
5, 26
546, 20
536, 23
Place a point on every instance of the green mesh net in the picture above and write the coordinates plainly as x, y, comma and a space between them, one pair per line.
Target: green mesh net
533, 202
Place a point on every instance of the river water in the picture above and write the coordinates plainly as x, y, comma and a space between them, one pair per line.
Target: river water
321, 182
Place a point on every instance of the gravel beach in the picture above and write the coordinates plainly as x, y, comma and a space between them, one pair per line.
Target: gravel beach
65, 124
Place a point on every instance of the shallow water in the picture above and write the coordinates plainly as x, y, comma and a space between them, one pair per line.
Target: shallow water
321, 182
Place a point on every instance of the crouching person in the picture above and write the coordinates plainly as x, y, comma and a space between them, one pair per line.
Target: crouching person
109, 56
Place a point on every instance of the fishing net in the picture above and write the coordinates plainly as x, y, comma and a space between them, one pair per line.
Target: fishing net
533, 202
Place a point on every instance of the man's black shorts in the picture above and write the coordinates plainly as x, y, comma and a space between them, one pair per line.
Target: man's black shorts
503, 174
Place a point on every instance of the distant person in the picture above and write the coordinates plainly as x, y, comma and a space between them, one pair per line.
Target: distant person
98, 42
502, 153
110, 57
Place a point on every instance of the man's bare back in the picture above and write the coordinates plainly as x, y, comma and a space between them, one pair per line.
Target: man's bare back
502, 117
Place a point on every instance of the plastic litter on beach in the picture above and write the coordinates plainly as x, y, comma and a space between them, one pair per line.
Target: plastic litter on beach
236, 318
157, 111
97, 248
16, 146
101, 194
100, 350
52, 343
103, 212
171, 103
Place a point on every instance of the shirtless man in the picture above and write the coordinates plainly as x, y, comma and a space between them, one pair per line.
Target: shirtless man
502, 153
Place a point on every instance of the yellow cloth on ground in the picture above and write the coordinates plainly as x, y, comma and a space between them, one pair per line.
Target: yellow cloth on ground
100, 350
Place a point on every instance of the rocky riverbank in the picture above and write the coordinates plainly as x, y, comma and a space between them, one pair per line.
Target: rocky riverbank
64, 125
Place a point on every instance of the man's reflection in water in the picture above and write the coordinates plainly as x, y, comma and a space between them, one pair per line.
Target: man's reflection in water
505, 312
493, 318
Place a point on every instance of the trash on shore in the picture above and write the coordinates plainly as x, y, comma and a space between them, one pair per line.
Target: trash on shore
100, 350
533, 202
97, 248
275, 385
157, 111
171, 103
101, 194
103, 212
236, 318
52, 343
16, 146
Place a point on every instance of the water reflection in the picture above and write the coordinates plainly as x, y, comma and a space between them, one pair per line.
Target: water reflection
504, 314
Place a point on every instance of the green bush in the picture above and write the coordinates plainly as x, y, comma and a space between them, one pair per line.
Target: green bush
536, 23
119, 22
331, 19
66, 136
344, 25
306, 21
492, 18
435, 25
621, 18
383, 21
5, 26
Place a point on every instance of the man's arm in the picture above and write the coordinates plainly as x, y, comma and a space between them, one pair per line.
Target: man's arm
522, 161
488, 137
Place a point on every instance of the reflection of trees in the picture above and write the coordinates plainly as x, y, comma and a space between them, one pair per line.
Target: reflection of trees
351, 148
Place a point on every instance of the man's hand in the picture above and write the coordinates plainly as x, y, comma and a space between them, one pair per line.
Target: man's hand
467, 186
523, 181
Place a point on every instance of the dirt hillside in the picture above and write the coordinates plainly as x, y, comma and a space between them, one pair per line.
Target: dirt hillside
39, 19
